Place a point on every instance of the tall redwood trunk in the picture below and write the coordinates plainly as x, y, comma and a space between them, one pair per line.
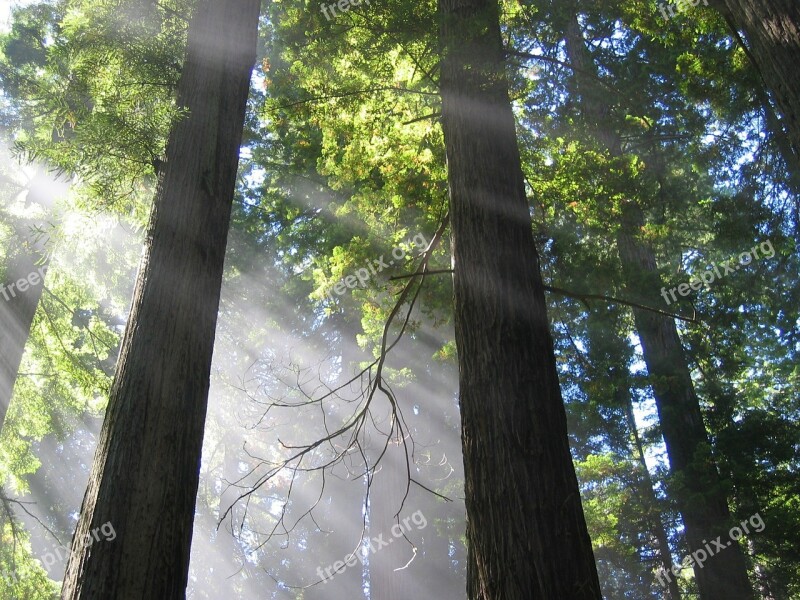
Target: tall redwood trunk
772, 33
700, 493
145, 475
526, 531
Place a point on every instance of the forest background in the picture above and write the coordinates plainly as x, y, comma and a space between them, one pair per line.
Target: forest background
342, 162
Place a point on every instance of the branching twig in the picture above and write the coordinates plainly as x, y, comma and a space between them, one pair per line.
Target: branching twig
356, 93
353, 430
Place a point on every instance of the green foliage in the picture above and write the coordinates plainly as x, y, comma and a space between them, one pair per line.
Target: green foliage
92, 83
21, 576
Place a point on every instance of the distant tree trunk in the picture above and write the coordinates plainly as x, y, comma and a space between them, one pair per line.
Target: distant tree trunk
651, 501
609, 355
27, 263
145, 475
344, 490
772, 34
16, 318
526, 531
700, 492
225, 572
435, 427
701, 496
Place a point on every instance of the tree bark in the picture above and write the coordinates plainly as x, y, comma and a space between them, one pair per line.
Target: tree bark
772, 33
145, 474
526, 531
701, 496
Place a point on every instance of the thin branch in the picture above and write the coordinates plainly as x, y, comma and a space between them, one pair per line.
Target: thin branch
561, 63
433, 115
576, 295
12, 519
33, 516
579, 296
356, 93
418, 274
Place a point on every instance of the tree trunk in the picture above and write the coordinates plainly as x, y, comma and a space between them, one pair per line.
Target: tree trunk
28, 265
344, 490
772, 33
16, 319
526, 531
608, 355
145, 474
701, 496
655, 517
700, 493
